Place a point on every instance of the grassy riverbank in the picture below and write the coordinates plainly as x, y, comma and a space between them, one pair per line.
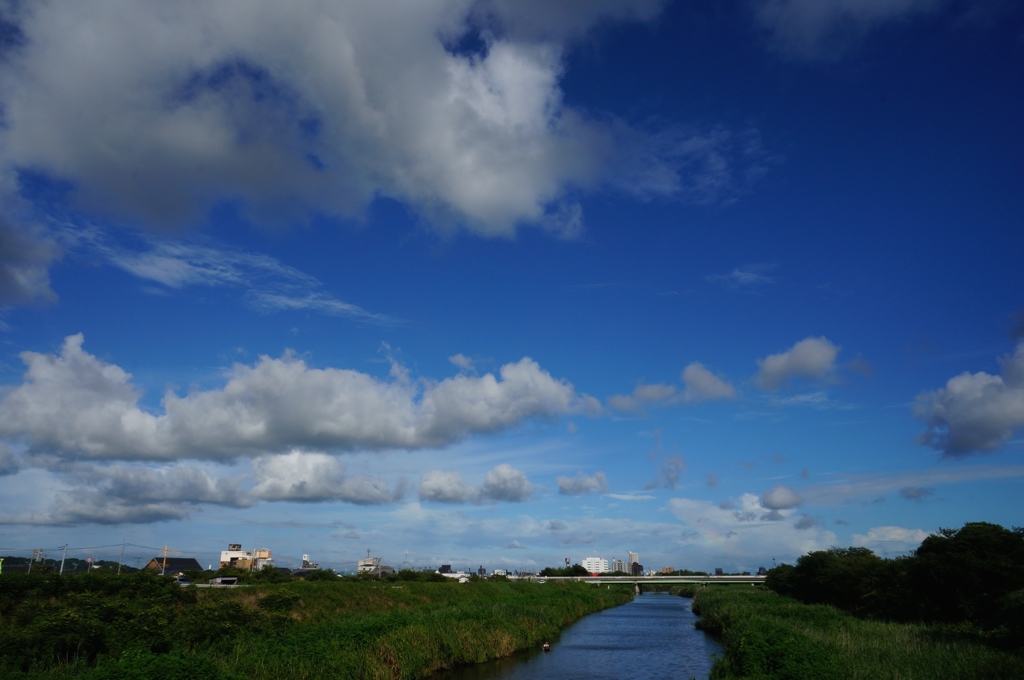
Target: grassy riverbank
112, 628
769, 636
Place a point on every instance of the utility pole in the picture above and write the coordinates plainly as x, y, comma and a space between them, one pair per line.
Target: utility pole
63, 558
120, 560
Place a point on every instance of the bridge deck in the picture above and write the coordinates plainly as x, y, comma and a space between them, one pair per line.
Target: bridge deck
657, 580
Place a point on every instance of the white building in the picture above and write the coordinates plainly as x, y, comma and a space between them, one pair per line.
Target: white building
252, 560
596, 565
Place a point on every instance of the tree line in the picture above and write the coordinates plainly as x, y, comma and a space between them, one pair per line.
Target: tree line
970, 579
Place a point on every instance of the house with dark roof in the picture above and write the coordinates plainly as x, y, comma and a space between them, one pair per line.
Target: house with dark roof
172, 565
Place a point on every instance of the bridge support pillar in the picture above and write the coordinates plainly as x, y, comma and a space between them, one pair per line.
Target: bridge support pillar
638, 589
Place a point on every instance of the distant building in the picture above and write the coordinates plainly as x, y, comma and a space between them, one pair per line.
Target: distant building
500, 572
620, 566
718, 571
369, 565
636, 569
306, 564
252, 560
634, 558
596, 565
667, 570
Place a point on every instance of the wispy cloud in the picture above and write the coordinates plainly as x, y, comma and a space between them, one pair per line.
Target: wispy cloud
747, 278
853, 487
266, 284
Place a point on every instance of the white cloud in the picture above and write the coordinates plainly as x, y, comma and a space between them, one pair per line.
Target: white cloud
582, 484
780, 498
267, 284
703, 385
323, 106
888, 541
809, 359
974, 412
749, 277
859, 487
124, 494
643, 395
25, 258
543, 20
670, 470
462, 361
741, 530
811, 28
505, 483
77, 406
446, 487
8, 461
301, 476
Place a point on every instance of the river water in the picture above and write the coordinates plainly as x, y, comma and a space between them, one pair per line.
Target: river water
651, 637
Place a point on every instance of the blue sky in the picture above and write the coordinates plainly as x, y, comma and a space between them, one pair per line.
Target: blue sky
492, 282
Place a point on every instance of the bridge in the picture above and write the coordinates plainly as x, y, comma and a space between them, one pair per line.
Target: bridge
638, 582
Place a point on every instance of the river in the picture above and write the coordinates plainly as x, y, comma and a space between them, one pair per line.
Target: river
651, 637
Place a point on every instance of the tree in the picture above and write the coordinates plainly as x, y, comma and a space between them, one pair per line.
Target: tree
968, 574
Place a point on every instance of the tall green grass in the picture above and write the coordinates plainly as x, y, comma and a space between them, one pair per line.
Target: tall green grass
142, 628
768, 636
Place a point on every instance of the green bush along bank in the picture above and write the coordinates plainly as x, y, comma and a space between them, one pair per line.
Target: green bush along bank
767, 636
108, 627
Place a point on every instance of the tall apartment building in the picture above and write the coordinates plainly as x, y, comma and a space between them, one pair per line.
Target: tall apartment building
620, 565
596, 565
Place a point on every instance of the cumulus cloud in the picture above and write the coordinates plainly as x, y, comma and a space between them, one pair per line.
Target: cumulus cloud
25, 259
699, 383
8, 461
462, 361
446, 487
812, 28
703, 385
974, 412
542, 20
321, 107
643, 395
914, 493
809, 359
76, 406
505, 483
780, 498
805, 522
125, 494
582, 484
313, 477
743, 527
670, 471
888, 541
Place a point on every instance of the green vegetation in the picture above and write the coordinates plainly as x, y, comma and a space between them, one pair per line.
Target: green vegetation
106, 627
971, 578
768, 636
953, 609
574, 570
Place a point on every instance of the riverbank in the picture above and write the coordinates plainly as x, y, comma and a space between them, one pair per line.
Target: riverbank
106, 628
768, 636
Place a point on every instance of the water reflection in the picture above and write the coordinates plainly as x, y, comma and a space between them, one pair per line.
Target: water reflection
651, 637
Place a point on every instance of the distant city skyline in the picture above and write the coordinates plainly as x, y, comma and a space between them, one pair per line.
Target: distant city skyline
495, 283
